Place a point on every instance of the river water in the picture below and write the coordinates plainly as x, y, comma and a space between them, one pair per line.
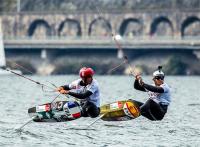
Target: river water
180, 127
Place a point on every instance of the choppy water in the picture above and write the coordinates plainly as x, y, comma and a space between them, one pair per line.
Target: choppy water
181, 126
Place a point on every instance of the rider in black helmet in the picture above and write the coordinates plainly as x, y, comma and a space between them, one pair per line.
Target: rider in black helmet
159, 96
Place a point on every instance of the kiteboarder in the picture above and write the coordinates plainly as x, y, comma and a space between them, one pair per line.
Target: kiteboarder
159, 96
87, 90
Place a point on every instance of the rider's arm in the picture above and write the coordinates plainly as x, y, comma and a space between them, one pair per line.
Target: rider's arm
138, 86
81, 95
66, 87
153, 88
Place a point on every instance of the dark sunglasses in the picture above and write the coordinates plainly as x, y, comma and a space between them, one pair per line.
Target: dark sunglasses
158, 78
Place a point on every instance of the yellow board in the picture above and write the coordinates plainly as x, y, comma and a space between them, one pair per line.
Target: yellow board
120, 110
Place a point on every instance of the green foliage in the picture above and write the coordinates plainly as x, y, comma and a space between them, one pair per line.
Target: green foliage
100, 66
176, 66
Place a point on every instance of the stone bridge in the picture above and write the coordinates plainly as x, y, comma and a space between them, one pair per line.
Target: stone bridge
171, 23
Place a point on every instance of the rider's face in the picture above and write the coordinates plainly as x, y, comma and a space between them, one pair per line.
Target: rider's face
87, 80
157, 82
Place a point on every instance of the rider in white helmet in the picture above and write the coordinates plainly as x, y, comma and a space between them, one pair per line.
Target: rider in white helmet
159, 96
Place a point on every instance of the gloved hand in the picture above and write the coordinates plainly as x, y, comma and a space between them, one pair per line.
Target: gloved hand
59, 89
139, 78
141, 82
64, 91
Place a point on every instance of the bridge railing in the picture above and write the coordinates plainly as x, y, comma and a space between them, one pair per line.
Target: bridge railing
101, 38
106, 41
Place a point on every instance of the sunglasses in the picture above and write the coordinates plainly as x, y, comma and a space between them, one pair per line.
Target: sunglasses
157, 78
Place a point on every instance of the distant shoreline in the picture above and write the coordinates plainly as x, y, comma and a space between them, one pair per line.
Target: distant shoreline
173, 64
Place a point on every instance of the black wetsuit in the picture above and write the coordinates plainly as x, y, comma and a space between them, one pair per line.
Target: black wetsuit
150, 109
89, 109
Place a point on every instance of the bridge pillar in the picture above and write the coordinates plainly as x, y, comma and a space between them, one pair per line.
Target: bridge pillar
44, 54
120, 54
45, 68
197, 53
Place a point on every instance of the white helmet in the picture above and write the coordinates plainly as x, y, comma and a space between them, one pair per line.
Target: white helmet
158, 74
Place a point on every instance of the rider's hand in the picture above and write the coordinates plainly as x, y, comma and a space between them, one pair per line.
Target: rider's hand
64, 91
59, 89
139, 78
141, 82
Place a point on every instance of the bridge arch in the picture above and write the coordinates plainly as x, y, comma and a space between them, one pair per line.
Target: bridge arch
99, 27
161, 26
39, 28
188, 26
69, 27
131, 27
